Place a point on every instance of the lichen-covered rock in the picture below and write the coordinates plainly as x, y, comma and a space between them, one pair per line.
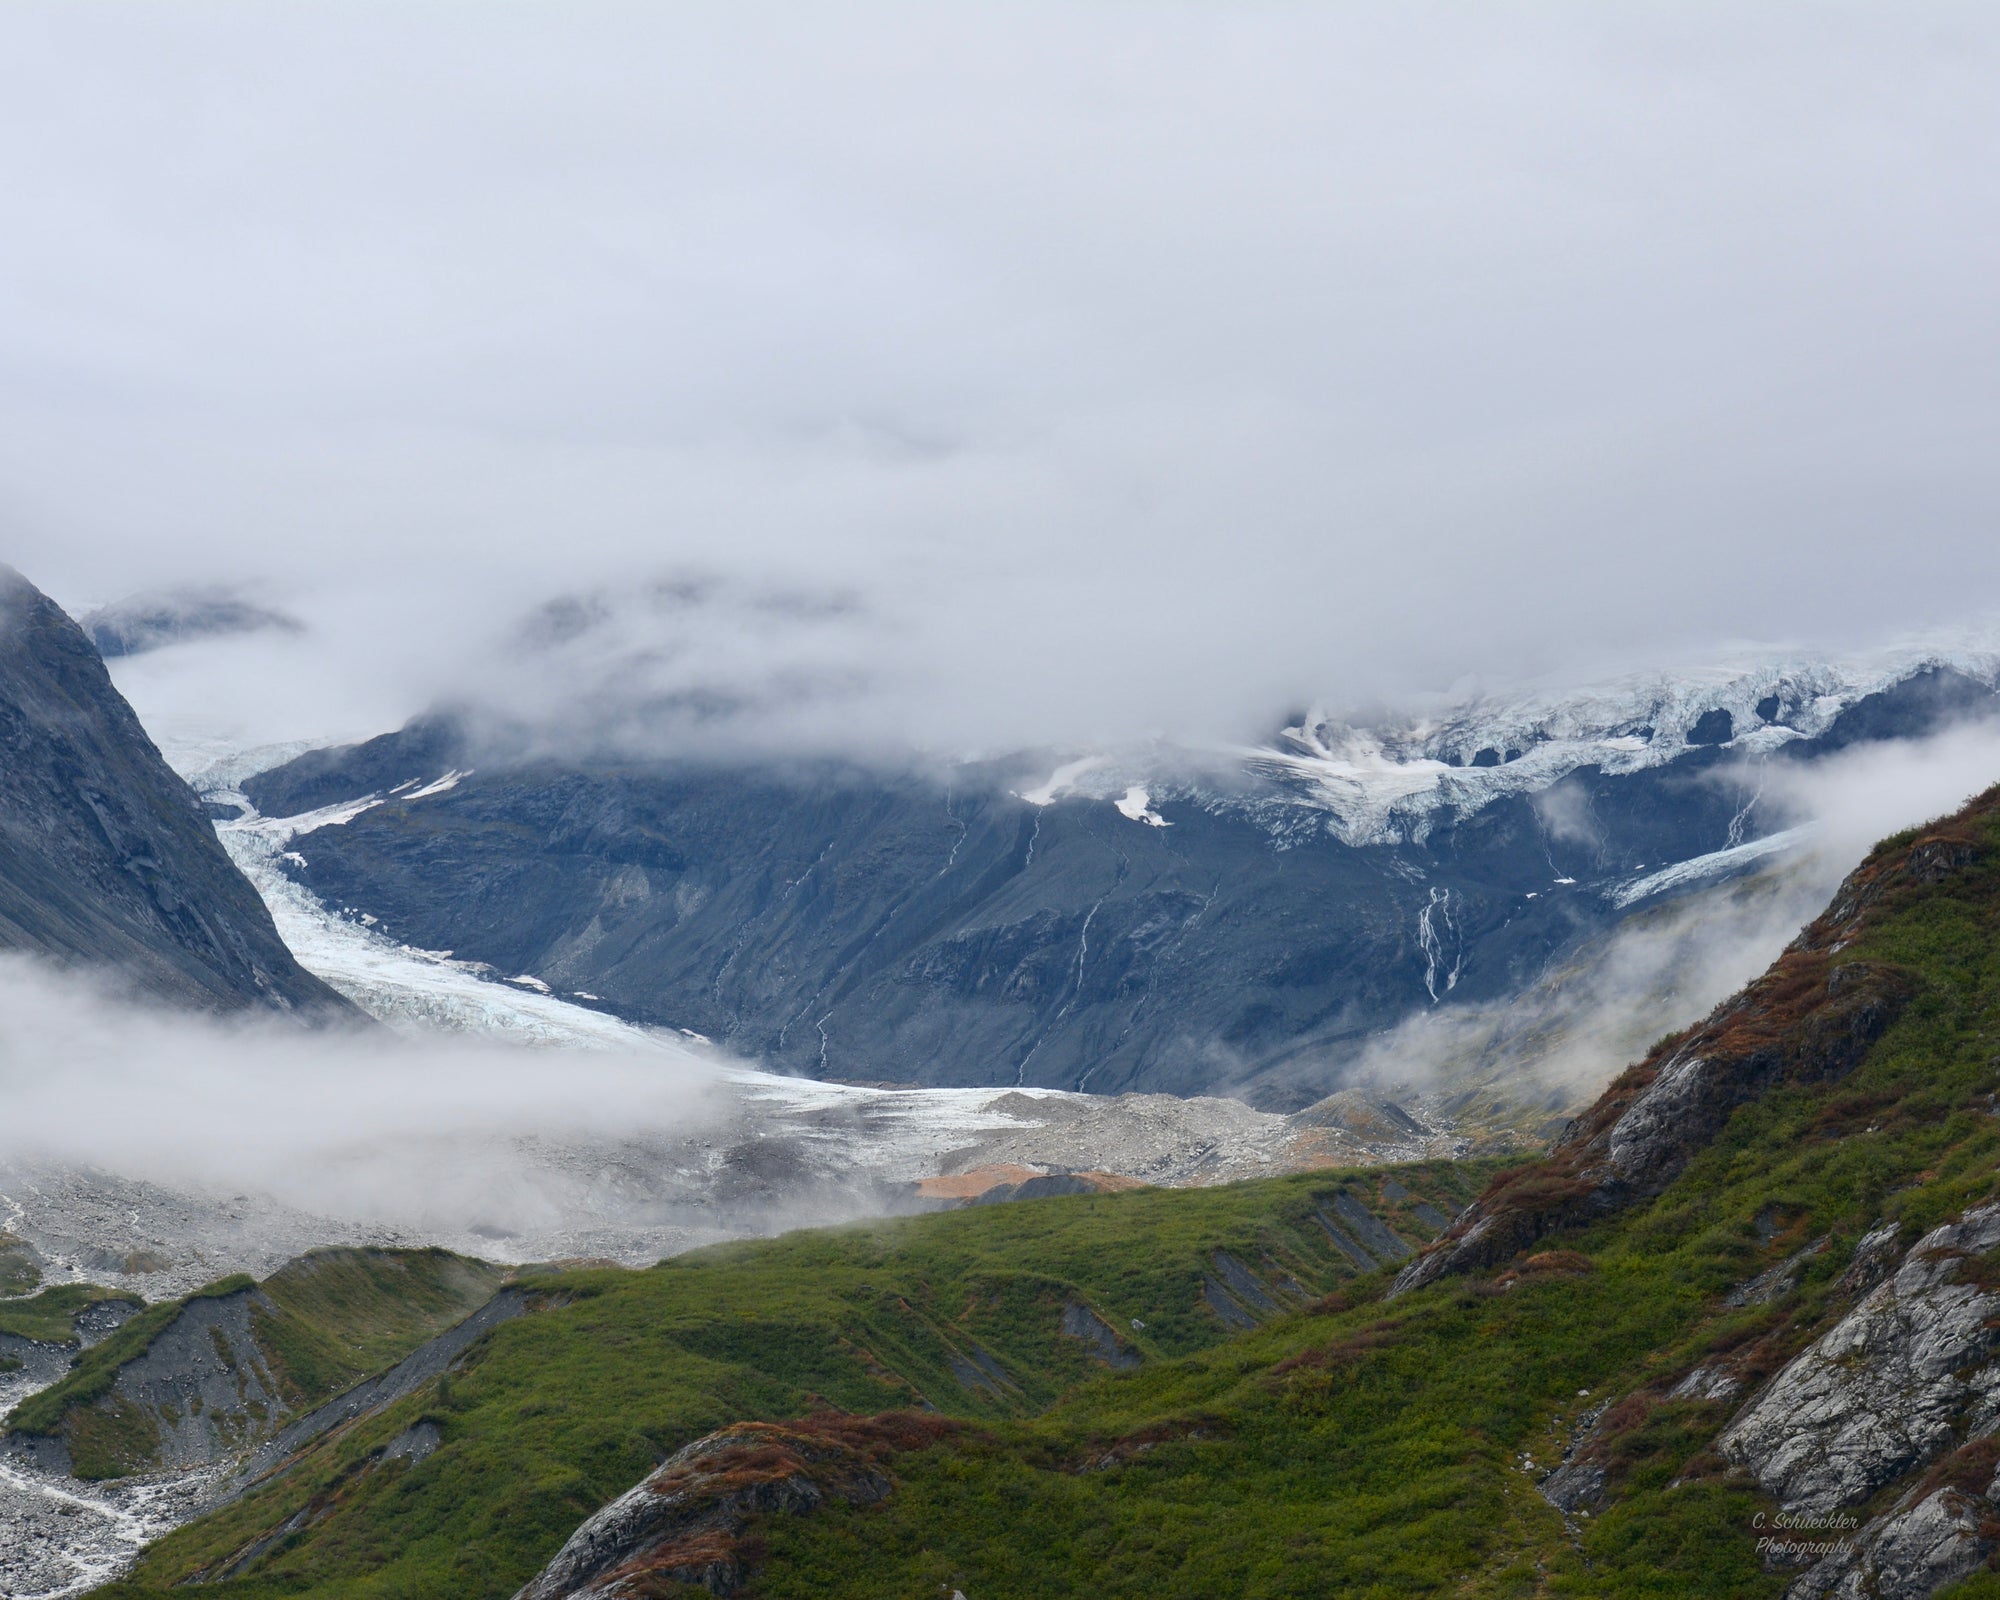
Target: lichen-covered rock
1908, 1555
1706, 1383
1777, 1282
684, 1523
1901, 1377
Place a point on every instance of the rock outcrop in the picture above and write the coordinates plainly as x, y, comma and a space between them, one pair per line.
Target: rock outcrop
1906, 1373
1910, 1554
686, 1522
107, 860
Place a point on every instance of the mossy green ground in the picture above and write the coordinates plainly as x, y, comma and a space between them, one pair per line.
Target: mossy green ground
562, 1409
18, 1273
50, 1316
322, 1323
1354, 1448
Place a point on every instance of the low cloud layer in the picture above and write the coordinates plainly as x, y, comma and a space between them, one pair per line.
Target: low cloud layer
368, 1124
1114, 369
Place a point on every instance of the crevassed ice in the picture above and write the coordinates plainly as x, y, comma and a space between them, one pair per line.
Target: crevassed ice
1389, 781
1393, 778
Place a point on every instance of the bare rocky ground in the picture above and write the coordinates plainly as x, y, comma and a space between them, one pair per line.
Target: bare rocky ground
61, 1537
786, 1157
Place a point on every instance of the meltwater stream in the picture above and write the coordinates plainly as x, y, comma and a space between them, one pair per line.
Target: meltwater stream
59, 1536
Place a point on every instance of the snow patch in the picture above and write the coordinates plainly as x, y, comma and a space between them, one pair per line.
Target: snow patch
1138, 805
1714, 864
337, 816
1062, 780
450, 780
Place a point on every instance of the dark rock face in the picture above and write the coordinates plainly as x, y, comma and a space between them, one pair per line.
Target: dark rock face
854, 923
106, 857
1713, 727
1079, 1321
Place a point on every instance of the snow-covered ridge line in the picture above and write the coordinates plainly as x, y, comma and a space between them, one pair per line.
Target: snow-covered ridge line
1393, 779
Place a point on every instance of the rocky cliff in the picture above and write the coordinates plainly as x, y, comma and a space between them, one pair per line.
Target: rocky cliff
107, 860
685, 1523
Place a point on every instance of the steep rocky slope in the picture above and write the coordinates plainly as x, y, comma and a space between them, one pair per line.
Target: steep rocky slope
1809, 1020
200, 1380
106, 858
1248, 929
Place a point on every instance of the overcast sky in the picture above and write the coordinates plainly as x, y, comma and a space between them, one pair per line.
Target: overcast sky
1116, 368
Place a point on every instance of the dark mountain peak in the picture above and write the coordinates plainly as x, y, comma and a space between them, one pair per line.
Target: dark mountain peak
106, 857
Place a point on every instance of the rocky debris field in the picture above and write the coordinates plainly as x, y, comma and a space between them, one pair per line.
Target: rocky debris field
61, 1537
785, 1153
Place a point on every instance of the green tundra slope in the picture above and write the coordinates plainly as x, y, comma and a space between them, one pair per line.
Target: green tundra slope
988, 1314
193, 1381
1762, 1273
50, 1317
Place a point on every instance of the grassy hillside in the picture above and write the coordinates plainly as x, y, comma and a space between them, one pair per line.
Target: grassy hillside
1392, 1448
50, 1316
963, 1311
1351, 1444
317, 1326
19, 1274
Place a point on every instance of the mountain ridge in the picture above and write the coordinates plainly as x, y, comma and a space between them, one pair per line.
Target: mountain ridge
836, 920
107, 859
